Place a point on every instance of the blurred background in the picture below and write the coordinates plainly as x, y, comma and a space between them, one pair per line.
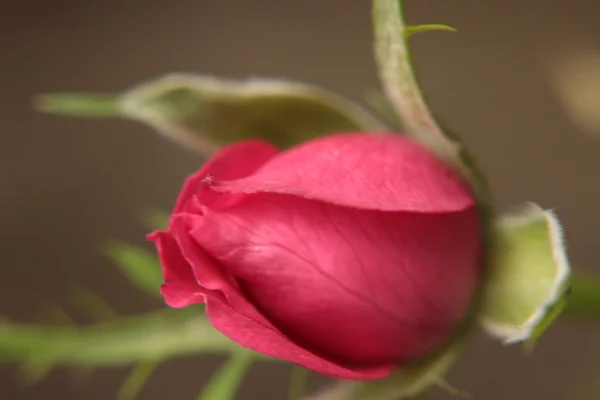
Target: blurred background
520, 83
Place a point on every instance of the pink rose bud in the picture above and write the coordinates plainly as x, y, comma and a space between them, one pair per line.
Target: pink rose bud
350, 254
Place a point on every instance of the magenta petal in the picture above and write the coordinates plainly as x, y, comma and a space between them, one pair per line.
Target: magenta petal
232, 162
236, 317
385, 172
349, 255
271, 342
364, 286
208, 272
180, 295
180, 288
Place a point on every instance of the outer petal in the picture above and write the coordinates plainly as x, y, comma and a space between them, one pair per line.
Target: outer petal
229, 309
180, 288
271, 342
238, 160
383, 171
232, 162
207, 271
360, 286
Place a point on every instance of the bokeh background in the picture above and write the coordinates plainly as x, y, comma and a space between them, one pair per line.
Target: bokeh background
520, 82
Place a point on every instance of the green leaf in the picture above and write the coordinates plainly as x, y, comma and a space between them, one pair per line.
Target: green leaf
529, 277
143, 338
203, 112
404, 383
139, 265
400, 83
224, 384
412, 29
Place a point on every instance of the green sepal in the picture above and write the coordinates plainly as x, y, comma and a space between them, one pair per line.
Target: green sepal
400, 83
86, 105
528, 278
204, 113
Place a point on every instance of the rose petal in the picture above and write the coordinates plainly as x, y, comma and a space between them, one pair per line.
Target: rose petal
232, 162
383, 171
207, 271
180, 288
358, 285
230, 311
271, 342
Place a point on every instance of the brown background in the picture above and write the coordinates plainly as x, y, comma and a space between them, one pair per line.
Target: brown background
65, 184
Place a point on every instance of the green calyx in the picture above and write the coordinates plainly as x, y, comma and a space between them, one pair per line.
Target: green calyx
529, 276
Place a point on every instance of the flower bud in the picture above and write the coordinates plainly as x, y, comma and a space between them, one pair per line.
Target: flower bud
350, 254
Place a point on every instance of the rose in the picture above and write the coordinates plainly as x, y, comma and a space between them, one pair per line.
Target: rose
349, 255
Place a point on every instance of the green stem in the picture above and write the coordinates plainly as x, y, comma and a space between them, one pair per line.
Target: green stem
584, 298
144, 338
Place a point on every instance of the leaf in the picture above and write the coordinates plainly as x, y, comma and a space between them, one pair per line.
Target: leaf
529, 277
224, 384
143, 338
408, 381
400, 83
412, 29
204, 112
139, 265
